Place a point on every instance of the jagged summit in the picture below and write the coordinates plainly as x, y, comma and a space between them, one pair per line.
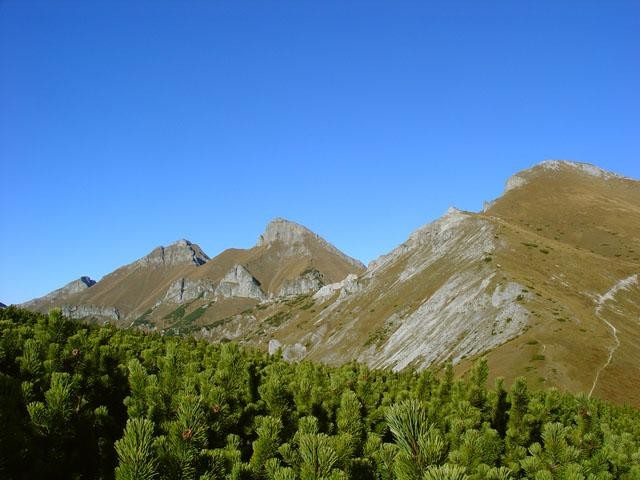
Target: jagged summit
300, 240
183, 242
180, 252
285, 231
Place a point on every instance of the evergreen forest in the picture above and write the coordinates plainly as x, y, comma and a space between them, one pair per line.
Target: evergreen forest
81, 401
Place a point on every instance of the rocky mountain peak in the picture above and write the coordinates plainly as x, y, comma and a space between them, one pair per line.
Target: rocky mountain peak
578, 167
285, 231
554, 167
181, 252
183, 242
75, 286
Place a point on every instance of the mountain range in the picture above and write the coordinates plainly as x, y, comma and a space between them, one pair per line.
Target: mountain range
543, 282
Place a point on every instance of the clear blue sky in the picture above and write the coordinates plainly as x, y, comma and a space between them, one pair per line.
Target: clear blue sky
127, 125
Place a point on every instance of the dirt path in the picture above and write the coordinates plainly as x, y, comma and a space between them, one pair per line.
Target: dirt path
602, 299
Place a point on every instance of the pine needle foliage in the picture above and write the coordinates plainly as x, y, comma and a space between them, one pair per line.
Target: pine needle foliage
135, 451
86, 401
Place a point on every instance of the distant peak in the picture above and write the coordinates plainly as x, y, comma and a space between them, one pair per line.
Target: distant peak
181, 243
555, 166
587, 168
75, 286
180, 252
285, 231
298, 240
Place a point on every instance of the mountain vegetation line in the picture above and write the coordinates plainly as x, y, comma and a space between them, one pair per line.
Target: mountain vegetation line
81, 401
602, 299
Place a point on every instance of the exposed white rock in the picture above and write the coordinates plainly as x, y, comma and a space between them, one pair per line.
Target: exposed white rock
587, 168
457, 234
486, 205
90, 311
348, 284
461, 318
469, 312
285, 231
185, 290
274, 345
294, 353
520, 179
309, 281
182, 252
290, 353
238, 282
515, 181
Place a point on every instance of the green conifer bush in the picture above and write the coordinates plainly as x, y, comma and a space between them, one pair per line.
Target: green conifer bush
82, 401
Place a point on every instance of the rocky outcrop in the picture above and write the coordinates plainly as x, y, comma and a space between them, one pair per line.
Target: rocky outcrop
308, 282
300, 241
182, 252
513, 182
285, 231
185, 290
452, 304
522, 178
348, 285
91, 311
2, 305
290, 353
585, 168
79, 285
470, 237
462, 318
238, 282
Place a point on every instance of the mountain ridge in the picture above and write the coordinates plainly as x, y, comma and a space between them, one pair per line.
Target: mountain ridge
528, 282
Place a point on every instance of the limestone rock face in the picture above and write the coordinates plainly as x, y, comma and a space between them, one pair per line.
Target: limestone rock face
182, 252
585, 168
274, 345
436, 240
454, 323
309, 281
238, 282
290, 353
79, 285
520, 179
513, 182
91, 311
348, 285
185, 290
294, 353
281, 230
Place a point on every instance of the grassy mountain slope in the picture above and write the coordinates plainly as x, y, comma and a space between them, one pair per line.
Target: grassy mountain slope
539, 281
544, 281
